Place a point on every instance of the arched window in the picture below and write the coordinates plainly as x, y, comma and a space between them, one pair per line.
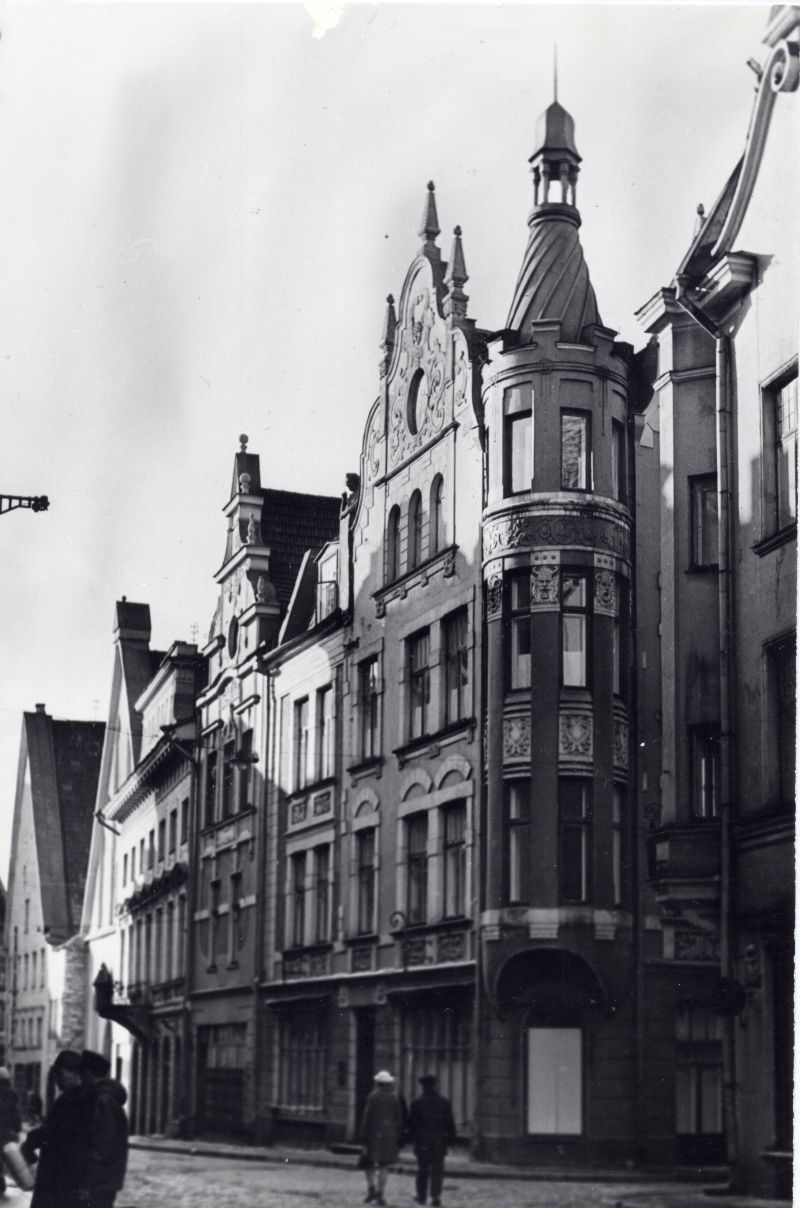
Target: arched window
393, 545
437, 515
414, 530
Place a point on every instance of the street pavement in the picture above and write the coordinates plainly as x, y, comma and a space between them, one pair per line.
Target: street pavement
162, 1179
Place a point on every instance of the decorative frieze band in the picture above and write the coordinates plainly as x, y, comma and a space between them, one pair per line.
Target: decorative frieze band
508, 533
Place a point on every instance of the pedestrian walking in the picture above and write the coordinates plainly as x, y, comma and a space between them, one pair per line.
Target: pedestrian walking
106, 1159
433, 1130
381, 1128
61, 1141
10, 1122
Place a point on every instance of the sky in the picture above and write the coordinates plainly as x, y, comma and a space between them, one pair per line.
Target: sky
203, 208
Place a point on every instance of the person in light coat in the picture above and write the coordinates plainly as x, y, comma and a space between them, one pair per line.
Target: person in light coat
382, 1126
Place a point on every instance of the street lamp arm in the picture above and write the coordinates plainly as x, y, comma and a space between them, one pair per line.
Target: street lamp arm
37, 503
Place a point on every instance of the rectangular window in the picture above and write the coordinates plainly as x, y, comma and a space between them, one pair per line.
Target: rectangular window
151, 848
620, 858
455, 860
301, 743
417, 868
213, 946
298, 894
555, 1081
573, 840
159, 946
574, 629
180, 939
704, 742
419, 683
325, 725
228, 776
698, 1076
517, 802
365, 857
34, 957
211, 786
133, 863
519, 632
785, 411
173, 830
457, 705
27, 915
141, 857
518, 469
125, 869
705, 527
619, 480
322, 860
575, 451
302, 1061
234, 914
184, 819
43, 966
169, 943
368, 706
245, 769
782, 705
162, 838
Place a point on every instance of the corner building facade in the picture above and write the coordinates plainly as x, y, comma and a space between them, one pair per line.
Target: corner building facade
556, 942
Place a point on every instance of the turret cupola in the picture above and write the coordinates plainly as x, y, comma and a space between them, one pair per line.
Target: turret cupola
554, 283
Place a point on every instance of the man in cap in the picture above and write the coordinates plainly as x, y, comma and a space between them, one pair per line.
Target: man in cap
432, 1129
381, 1129
107, 1153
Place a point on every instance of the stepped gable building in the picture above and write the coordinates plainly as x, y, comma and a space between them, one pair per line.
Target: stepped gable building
556, 1061
718, 495
262, 578
374, 836
59, 763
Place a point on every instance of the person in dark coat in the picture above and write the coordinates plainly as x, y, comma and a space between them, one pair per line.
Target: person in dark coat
433, 1130
61, 1140
10, 1122
381, 1128
106, 1157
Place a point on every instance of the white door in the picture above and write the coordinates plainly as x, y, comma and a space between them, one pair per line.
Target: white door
555, 1081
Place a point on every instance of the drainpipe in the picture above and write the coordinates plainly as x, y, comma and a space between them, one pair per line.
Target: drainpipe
261, 902
726, 647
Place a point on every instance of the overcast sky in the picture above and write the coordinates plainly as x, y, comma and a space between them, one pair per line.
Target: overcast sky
202, 210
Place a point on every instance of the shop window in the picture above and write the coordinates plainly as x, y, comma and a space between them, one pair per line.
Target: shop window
456, 697
455, 860
303, 1060
518, 606
365, 860
437, 535
555, 1081
417, 869
575, 451
436, 1040
704, 747
779, 460
368, 707
517, 809
518, 453
301, 744
393, 545
704, 520
414, 530
574, 835
419, 683
574, 629
325, 728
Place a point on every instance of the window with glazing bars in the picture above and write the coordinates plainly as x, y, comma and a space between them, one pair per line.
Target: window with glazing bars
419, 684
325, 724
322, 859
574, 835
365, 857
298, 898
518, 617
456, 667
417, 868
368, 708
455, 859
574, 629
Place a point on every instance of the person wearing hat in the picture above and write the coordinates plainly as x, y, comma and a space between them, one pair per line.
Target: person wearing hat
106, 1157
433, 1130
61, 1140
10, 1122
380, 1132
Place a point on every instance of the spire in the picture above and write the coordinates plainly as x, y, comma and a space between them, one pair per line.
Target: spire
555, 71
429, 227
387, 336
455, 303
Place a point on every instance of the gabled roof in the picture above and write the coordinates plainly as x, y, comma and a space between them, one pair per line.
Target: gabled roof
293, 523
63, 761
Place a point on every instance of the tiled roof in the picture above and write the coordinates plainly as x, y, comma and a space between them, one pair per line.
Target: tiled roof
292, 523
64, 761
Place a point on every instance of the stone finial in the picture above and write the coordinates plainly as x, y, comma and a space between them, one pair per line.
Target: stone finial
244, 483
243, 441
251, 531
387, 335
429, 227
457, 277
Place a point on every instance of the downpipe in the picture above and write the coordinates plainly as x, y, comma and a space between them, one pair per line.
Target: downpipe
726, 646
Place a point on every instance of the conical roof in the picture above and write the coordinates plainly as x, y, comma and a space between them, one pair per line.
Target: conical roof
553, 282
